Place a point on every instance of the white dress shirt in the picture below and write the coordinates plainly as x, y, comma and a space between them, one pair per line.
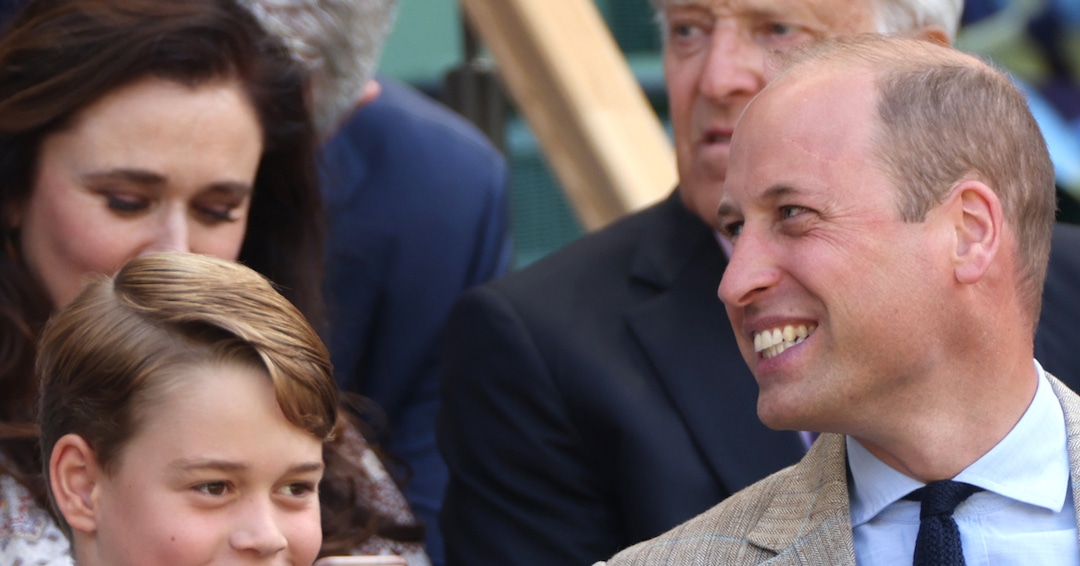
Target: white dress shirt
1025, 516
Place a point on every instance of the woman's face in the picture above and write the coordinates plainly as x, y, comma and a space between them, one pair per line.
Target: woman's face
152, 166
214, 475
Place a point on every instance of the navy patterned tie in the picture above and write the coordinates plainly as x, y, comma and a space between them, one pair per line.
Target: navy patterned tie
938, 543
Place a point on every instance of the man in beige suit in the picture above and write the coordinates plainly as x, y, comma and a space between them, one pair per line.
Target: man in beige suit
891, 202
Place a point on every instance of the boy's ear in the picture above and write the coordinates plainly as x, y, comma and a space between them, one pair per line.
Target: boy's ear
74, 477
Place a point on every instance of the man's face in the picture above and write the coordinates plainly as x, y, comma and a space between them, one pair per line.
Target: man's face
823, 264
714, 63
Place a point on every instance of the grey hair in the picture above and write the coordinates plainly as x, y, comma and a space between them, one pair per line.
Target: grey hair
337, 41
904, 16
891, 16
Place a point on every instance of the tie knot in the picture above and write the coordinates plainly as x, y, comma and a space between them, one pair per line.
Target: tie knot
941, 497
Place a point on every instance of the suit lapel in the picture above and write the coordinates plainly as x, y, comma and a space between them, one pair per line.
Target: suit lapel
1070, 405
808, 520
685, 333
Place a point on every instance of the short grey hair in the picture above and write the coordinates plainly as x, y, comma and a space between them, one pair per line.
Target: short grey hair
893, 16
338, 41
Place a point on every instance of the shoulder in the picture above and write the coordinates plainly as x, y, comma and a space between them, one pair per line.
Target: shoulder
721, 533
801, 510
404, 116
28, 534
595, 261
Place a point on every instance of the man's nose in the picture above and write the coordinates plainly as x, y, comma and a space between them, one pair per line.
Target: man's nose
750, 271
735, 67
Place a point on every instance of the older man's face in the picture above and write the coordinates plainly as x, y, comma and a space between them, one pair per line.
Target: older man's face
714, 63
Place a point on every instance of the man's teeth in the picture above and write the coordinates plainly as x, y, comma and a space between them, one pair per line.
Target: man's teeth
771, 343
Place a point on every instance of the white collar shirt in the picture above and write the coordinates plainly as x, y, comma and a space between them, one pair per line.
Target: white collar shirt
1025, 516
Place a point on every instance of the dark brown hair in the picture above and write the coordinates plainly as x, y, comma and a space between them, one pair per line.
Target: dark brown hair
57, 57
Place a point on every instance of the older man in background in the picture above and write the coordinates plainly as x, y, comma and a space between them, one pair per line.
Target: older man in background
597, 397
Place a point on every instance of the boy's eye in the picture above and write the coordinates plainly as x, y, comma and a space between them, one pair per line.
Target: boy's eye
216, 489
299, 489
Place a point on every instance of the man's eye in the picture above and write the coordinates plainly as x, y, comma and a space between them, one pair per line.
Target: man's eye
779, 29
791, 211
685, 30
731, 229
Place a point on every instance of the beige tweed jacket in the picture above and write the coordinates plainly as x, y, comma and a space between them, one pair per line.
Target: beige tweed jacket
798, 515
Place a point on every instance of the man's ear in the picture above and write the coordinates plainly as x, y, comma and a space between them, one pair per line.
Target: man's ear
978, 219
74, 477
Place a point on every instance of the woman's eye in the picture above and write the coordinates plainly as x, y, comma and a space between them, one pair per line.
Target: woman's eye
125, 203
216, 489
218, 212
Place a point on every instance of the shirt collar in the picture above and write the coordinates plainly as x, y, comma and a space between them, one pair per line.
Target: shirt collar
1006, 469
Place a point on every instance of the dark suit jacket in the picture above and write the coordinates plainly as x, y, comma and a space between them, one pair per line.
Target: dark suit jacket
416, 199
1057, 343
800, 516
597, 398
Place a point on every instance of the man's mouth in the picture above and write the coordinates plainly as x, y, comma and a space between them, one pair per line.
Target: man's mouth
771, 343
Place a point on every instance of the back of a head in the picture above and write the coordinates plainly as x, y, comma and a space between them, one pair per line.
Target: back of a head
339, 41
121, 342
943, 116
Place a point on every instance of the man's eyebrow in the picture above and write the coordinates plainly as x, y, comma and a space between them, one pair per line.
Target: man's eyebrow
725, 209
776, 192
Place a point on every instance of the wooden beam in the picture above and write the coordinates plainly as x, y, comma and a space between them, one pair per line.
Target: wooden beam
567, 76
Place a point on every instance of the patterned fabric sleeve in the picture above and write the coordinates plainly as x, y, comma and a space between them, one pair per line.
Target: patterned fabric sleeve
28, 534
382, 496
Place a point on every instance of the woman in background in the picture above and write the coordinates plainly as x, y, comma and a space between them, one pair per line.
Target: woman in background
133, 126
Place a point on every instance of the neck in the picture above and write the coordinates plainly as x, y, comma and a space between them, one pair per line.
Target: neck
954, 425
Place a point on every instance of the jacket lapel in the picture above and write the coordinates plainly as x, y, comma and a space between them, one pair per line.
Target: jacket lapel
684, 331
1070, 405
808, 520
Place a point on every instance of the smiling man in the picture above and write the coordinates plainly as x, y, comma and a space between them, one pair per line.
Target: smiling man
891, 203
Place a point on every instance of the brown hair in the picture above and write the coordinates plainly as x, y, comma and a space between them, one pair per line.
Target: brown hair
57, 57
944, 116
120, 344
